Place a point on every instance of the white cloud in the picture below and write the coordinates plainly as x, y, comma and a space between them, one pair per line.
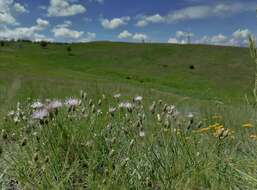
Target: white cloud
219, 39
145, 20
139, 37
204, 11
42, 23
20, 8
237, 38
173, 41
197, 12
183, 34
67, 33
88, 37
114, 23
124, 34
241, 34
8, 9
66, 24
63, 31
64, 8
24, 32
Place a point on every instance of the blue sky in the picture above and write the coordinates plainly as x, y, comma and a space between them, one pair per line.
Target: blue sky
220, 22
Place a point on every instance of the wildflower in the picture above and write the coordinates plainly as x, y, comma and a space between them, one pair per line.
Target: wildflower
117, 96
248, 125
190, 115
126, 105
37, 105
159, 119
54, 105
253, 136
138, 99
72, 102
11, 113
112, 111
40, 114
203, 130
16, 119
142, 134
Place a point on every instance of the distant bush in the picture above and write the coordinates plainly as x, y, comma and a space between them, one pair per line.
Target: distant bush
69, 49
43, 44
2, 43
192, 67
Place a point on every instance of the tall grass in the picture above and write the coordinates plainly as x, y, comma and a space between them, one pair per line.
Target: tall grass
118, 143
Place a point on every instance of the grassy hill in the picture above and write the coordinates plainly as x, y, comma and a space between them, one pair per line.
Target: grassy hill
220, 73
167, 129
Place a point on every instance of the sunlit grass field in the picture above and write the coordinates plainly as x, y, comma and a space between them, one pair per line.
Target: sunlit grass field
149, 116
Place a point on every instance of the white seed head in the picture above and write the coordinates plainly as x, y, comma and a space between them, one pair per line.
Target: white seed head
72, 102
40, 114
37, 105
54, 105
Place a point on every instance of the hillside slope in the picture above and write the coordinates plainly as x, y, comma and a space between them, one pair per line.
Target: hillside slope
220, 73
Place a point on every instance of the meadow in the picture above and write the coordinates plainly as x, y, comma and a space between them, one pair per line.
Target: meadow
126, 116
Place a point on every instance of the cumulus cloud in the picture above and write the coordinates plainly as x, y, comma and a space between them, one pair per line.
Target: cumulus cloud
140, 37
64, 31
137, 36
114, 23
173, 41
20, 8
183, 34
124, 34
89, 36
60, 8
66, 24
145, 20
8, 10
241, 33
67, 33
24, 32
219, 39
196, 12
237, 38
204, 11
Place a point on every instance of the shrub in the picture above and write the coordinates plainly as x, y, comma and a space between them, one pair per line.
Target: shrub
2, 43
69, 49
43, 44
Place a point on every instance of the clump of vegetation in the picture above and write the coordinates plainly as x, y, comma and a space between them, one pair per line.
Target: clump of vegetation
2, 43
122, 142
69, 50
192, 67
43, 44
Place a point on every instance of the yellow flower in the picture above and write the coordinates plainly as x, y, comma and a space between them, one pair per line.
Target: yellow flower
203, 130
217, 117
248, 125
254, 136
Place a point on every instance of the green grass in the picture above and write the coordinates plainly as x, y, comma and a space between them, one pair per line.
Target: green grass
90, 149
222, 73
